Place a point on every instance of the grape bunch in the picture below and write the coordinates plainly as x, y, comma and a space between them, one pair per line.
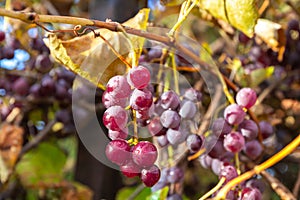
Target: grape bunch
167, 118
234, 134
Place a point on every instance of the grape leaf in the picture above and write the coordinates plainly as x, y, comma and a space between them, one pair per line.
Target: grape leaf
42, 166
92, 58
242, 14
160, 194
259, 75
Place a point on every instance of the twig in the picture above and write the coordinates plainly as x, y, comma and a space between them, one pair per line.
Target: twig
36, 140
297, 185
259, 168
278, 187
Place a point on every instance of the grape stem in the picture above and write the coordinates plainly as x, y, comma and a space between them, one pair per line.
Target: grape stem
214, 189
259, 168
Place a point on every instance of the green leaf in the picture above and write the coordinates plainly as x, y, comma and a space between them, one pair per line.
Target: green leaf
259, 75
242, 14
160, 194
42, 166
125, 192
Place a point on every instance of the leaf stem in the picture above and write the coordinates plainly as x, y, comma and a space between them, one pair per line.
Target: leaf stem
259, 168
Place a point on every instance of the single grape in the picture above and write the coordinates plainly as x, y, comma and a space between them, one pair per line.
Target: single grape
21, 86
63, 116
35, 90
220, 127
218, 150
253, 149
234, 142
118, 87
138, 77
205, 161
251, 194
115, 118
188, 110
194, 142
154, 52
170, 100
61, 92
176, 137
174, 197
170, 119
228, 172
216, 166
47, 86
150, 176
43, 63
141, 99
244, 39
156, 128
2, 36
162, 140
144, 154
249, 129
109, 100
234, 114
118, 152
121, 134
7, 52
246, 97
158, 186
175, 175
256, 183
266, 129
192, 95
130, 169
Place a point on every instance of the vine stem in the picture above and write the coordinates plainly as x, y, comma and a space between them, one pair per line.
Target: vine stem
214, 189
259, 168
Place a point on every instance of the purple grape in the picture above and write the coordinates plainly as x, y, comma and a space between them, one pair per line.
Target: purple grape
35, 90
176, 137
130, 169
234, 142
150, 176
21, 86
141, 99
253, 149
158, 109
170, 119
118, 152
61, 92
63, 116
188, 110
194, 142
158, 186
2, 36
256, 183
138, 77
121, 134
162, 140
246, 97
249, 129
155, 52
205, 161
174, 197
115, 118
43, 63
218, 150
175, 175
220, 127
170, 100
234, 114
228, 172
109, 100
266, 129
216, 166
118, 87
7, 52
156, 128
144, 154
47, 86
251, 194
192, 95
244, 39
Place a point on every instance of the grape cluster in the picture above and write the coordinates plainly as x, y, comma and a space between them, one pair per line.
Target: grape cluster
167, 119
235, 134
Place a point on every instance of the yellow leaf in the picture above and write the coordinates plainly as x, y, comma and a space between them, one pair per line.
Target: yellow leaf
242, 14
92, 58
